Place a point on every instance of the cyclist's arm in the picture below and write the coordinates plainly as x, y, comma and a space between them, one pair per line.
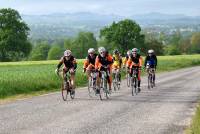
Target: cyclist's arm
140, 61
97, 63
60, 63
86, 63
75, 63
156, 60
129, 62
145, 62
110, 60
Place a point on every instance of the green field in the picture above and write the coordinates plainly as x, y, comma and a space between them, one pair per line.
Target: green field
38, 76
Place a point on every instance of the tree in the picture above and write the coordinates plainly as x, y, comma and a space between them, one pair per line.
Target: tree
125, 34
155, 45
55, 53
40, 51
82, 43
195, 42
13, 36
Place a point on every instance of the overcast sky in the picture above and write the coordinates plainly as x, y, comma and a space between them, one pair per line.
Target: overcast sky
119, 7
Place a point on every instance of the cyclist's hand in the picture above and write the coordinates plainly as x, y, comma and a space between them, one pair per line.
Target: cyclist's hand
72, 70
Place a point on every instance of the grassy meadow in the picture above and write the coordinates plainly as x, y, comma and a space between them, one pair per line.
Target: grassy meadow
38, 76
195, 126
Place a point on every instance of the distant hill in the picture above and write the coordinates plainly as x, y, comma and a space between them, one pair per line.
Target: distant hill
69, 24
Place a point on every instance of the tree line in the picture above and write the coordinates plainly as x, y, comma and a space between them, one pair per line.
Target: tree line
123, 35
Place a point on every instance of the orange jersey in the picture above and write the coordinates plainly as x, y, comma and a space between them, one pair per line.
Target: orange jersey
108, 60
89, 61
135, 61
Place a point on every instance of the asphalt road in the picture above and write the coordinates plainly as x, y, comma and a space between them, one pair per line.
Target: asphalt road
166, 109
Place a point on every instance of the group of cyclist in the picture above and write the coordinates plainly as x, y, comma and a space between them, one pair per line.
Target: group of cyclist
104, 61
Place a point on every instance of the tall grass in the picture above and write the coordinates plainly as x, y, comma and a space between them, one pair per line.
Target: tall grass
26, 77
195, 126
32, 76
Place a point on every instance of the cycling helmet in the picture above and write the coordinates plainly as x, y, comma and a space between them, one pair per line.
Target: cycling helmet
151, 51
91, 50
116, 51
101, 49
67, 53
129, 52
134, 50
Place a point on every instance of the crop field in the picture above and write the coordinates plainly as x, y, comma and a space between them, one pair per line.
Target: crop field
35, 76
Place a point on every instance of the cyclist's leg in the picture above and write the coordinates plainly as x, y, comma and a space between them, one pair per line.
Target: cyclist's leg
98, 82
110, 79
139, 79
88, 71
73, 80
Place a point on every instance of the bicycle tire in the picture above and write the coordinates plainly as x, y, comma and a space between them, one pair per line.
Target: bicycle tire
64, 90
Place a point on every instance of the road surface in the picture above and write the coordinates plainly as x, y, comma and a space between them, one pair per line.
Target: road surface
166, 109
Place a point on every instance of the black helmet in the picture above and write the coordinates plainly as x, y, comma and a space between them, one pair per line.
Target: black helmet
116, 51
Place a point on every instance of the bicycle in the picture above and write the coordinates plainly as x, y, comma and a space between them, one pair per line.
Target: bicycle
151, 75
104, 84
128, 79
116, 79
134, 81
92, 83
66, 87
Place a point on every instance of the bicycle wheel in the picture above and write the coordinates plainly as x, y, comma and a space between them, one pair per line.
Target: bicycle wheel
135, 85
101, 90
64, 88
72, 94
105, 87
128, 79
114, 82
90, 87
149, 81
132, 86
118, 81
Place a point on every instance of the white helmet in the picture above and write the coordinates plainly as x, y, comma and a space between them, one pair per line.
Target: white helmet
67, 53
91, 50
134, 50
151, 51
101, 49
129, 52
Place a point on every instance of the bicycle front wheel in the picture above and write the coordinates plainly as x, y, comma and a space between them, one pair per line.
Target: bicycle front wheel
64, 90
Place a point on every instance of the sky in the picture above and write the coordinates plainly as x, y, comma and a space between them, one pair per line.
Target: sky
117, 7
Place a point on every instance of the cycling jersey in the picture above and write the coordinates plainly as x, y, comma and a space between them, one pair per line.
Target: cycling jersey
105, 61
71, 63
151, 60
134, 61
89, 60
117, 60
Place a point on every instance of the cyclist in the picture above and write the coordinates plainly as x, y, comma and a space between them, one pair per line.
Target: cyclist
103, 62
135, 61
151, 61
117, 62
128, 54
89, 63
70, 66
